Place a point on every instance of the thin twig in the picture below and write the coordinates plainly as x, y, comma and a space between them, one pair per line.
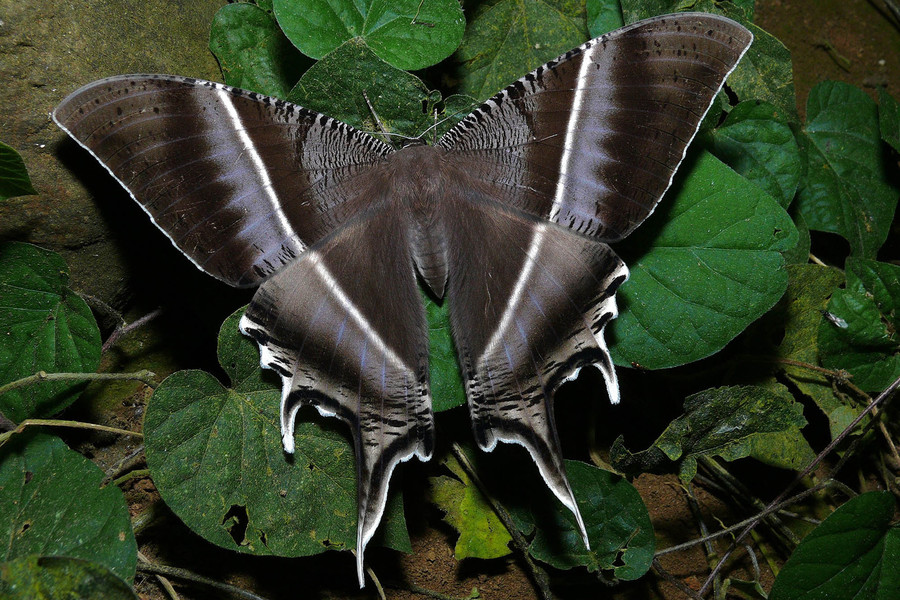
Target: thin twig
521, 544
684, 589
126, 464
123, 329
146, 377
136, 474
165, 583
809, 469
63, 423
186, 575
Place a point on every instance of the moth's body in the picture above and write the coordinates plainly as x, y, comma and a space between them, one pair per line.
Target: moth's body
508, 217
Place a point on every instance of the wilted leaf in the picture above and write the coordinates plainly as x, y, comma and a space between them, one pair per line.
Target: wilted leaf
60, 578
481, 534
854, 553
44, 326
339, 84
846, 189
864, 339
409, 34
730, 422
51, 502
253, 52
800, 314
14, 180
215, 455
755, 141
507, 39
705, 266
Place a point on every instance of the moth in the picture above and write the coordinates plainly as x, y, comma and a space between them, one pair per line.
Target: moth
508, 215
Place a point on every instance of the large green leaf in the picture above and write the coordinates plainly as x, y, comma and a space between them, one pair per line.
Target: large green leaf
765, 71
730, 422
756, 142
508, 38
854, 553
409, 34
44, 326
863, 340
339, 84
703, 268
60, 578
447, 389
847, 189
481, 534
253, 52
215, 455
14, 180
51, 502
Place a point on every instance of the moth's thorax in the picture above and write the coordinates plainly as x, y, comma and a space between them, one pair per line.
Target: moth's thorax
421, 176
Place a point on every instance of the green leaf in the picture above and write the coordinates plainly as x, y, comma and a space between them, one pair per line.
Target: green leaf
253, 52
60, 578
51, 502
730, 422
616, 519
339, 84
799, 316
889, 118
847, 188
14, 180
755, 141
854, 553
481, 534
702, 269
44, 326
508, 38
215, 455
447, 389
869, 306
409, 34
765, 71
603, 16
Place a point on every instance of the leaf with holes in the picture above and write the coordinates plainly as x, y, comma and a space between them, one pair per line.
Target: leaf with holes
51, 502
215, 455
704, 267
44, 326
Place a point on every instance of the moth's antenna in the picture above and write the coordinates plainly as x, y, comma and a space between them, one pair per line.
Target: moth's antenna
438, 122
381, 126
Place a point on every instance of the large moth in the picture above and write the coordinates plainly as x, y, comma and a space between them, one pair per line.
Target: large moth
508, 215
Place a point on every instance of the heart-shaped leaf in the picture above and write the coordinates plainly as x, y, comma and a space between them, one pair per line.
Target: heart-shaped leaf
215, 455
409, 34
51, 502
14, 180
702, 270
44, 326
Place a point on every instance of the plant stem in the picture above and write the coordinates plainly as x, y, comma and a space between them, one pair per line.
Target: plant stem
186, 575
538, 575
63, 423
136, 474
123, 329
881, 399
146, 377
